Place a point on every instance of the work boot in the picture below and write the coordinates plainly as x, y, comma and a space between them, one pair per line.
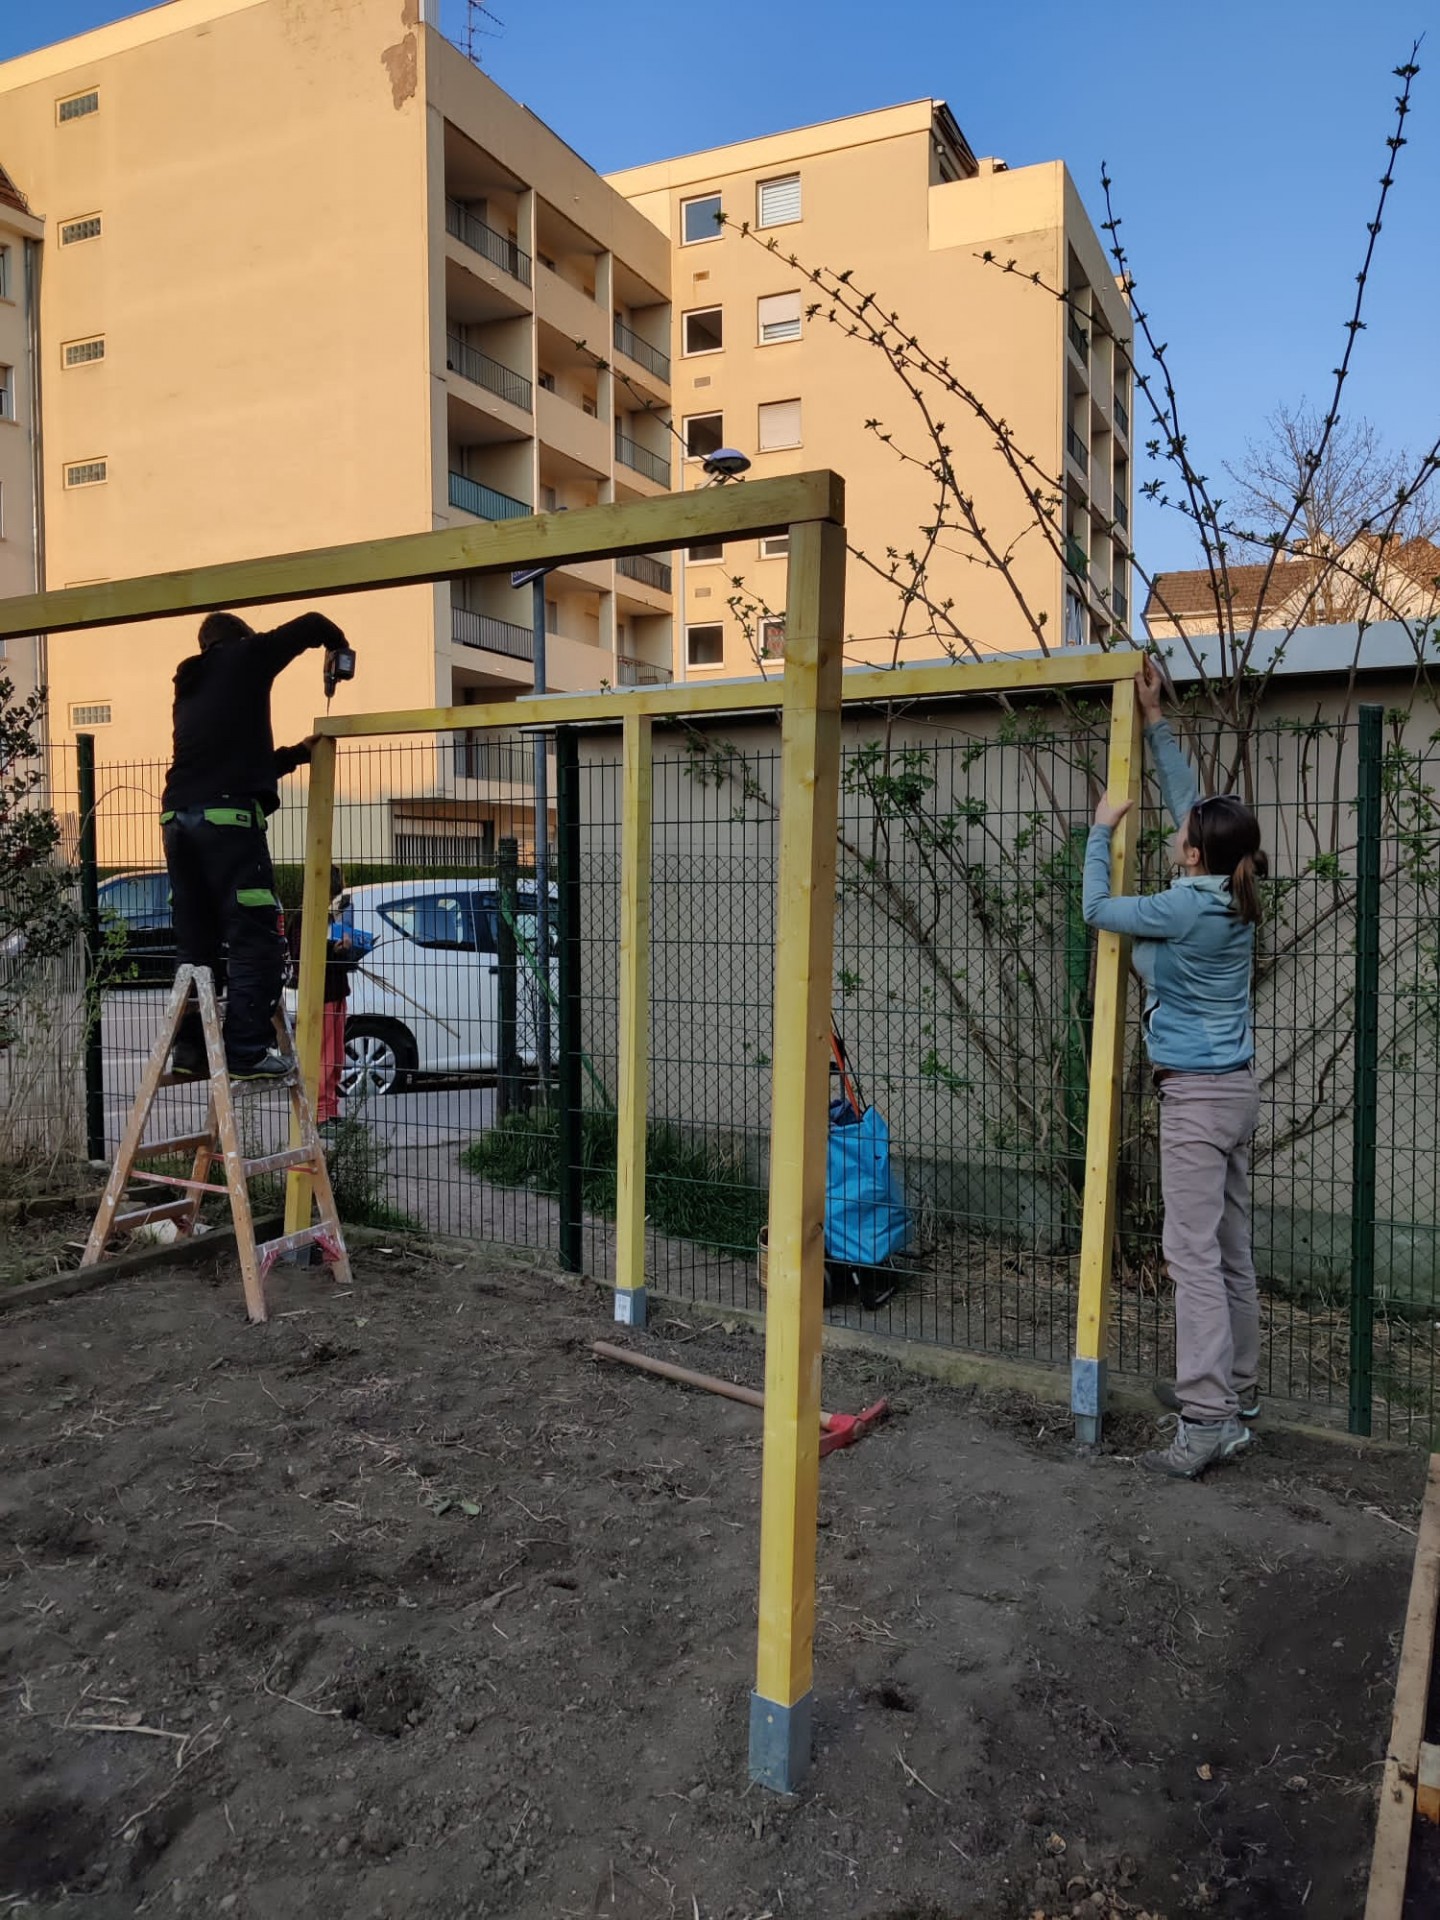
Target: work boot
190, 1063
268, 1066
1197, 1446
1249, 1398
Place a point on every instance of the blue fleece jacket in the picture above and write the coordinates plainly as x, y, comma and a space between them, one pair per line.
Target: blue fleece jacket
1194, 956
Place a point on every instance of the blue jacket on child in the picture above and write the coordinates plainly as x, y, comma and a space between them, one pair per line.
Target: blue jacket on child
1192, 952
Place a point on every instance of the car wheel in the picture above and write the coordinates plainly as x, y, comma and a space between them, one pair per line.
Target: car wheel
380, 1056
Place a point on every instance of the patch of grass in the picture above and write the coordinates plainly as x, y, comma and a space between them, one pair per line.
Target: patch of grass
694, 1189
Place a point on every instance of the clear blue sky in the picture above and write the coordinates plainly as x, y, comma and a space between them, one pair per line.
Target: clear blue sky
1245, 141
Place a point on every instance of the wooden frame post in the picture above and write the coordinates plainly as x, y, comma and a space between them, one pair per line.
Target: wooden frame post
1107, 1066
804, 950
633, 1088
314, 929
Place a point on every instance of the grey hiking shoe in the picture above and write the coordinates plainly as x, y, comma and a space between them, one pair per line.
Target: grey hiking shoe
270, 1066
1249, 1398
1197, 1446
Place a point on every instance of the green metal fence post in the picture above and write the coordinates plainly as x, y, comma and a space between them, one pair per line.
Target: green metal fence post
1075, 1092
567, 828
507, 1044
90, 912
1367, 1072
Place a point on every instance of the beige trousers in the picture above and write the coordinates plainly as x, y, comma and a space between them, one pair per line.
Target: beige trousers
1207, 1121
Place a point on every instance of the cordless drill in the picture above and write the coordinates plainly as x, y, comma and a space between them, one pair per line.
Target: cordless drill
339, 665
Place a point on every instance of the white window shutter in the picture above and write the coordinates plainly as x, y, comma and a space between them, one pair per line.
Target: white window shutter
779, 201
779, 317
779, 425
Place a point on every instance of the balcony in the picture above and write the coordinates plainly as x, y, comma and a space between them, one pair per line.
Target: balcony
482, 630
640, 673
484, 502
1121, 604
1122, 513
640, 460
628, 342
1078, 338
649, 571
1075, 447
482, 371
1076, 558
1122, 416
500, 251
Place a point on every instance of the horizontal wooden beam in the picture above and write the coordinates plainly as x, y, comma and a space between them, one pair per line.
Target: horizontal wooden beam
750, 508
692, 700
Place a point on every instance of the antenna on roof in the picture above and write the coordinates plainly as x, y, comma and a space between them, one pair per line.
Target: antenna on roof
481, 23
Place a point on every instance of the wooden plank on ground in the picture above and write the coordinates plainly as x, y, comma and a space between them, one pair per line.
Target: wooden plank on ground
1395, 1819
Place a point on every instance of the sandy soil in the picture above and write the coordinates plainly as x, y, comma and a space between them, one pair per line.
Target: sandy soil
403, 1605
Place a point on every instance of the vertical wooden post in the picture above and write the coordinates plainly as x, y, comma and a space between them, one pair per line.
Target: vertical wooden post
1107, 1065
634, 1062
804, 948
314, 928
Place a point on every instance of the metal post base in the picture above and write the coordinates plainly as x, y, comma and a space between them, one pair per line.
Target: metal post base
1087, 1399
630, 1306
779, 1743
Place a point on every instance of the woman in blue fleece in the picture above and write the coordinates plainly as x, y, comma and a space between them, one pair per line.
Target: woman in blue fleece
1194, 948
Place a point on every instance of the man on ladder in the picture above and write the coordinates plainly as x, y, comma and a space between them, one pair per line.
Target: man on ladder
221, 788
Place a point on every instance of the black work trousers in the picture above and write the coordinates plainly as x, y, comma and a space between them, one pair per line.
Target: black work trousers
227, 917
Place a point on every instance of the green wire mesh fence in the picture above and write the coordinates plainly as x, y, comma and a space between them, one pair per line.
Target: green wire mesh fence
962, 982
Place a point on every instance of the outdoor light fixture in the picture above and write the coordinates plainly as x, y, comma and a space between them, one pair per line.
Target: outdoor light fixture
726, 463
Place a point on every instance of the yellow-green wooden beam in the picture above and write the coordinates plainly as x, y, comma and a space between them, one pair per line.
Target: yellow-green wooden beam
314, 929
752, 508
691, 700
810, 787
1107, 1065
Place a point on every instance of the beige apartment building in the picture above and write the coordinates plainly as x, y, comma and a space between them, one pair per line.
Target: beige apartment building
21, 239
897, 200
312, 278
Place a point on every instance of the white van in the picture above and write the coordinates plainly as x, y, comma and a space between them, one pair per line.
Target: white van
426, 998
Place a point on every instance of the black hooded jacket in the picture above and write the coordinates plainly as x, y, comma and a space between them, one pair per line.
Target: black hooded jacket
224, 748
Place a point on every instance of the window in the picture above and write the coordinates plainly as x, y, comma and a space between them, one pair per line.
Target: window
87, 227
704, 330
440, 920
772, 637
7, 393
77, 106
552, 616
779, 425
705, 646
779, 318
549, 499
547, 380
777, 202
775, 546
587, 405
704, 435
79, 353
98, 714
707, 550
86, 473
4, 273
700, 219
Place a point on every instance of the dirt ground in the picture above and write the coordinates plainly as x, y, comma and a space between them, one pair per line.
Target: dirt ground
403, 1605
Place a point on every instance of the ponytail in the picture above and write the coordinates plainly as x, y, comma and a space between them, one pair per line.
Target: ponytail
1250, 869
1226, 835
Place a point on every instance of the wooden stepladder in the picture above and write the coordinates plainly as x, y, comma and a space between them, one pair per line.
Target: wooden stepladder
220, 1140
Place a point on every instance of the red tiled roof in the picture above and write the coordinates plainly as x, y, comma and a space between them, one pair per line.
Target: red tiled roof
1179, 594
10, 194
